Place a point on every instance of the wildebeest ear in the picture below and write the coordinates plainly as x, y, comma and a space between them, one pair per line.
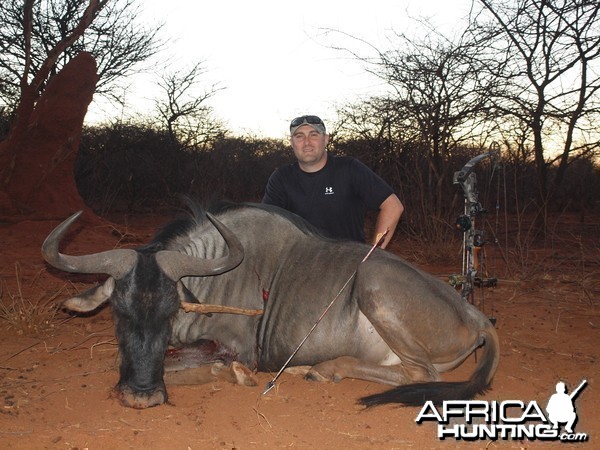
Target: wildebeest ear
185, 295
92, 298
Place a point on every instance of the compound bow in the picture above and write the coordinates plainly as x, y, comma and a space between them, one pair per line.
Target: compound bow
474, 270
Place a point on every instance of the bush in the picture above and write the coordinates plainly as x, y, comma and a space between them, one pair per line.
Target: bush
134, 168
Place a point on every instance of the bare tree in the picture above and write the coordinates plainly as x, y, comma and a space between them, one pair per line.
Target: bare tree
38, 37
544, 56
442, 94
437, 105
184, 108
524, 72
369, 130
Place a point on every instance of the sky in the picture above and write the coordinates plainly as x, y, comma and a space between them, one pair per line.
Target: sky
274, 60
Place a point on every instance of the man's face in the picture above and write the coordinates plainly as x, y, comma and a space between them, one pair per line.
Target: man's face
309, 147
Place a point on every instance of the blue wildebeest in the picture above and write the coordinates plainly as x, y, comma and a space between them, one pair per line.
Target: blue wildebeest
395, 324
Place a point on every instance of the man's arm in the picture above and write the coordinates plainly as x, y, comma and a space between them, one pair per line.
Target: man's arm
275, 191
390, 212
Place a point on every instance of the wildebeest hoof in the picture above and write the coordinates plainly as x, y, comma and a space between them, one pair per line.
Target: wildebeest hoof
235, 373
243, 375
313, 375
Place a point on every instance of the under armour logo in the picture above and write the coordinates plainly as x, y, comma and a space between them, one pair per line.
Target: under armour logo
329, 190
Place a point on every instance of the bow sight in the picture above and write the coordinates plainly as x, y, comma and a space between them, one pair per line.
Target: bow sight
474, 270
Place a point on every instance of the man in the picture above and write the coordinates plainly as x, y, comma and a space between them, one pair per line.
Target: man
331, 192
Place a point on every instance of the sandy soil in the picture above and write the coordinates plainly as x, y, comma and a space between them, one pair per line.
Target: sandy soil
56, 378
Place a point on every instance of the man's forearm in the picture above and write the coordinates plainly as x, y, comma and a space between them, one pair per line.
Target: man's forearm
390, 212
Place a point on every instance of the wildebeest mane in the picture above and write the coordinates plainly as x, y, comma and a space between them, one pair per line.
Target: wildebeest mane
299, 222
178, 227
196, 216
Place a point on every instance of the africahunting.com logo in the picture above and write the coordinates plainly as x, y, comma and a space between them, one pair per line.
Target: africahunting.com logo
507, 420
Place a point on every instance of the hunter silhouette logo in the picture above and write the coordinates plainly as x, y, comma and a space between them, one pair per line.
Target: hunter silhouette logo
471, 420
560, 407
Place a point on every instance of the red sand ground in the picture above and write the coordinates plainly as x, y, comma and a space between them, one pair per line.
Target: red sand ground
55, 390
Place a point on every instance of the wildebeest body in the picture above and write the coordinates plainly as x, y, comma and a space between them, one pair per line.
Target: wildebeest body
393, 324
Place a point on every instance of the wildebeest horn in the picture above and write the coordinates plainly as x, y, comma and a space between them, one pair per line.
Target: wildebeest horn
177, 265
112, 262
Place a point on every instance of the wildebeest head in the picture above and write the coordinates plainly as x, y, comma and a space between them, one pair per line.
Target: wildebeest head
145, 291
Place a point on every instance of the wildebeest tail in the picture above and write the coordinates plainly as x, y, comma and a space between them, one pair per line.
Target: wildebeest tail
438, 391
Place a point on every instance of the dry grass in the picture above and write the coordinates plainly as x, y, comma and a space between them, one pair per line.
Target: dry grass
591, 287
27, 316
427, 253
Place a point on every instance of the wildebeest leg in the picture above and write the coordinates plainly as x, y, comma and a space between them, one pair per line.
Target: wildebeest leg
199, 353
298, 370
235, 373
205, 361
396, 374
422, 337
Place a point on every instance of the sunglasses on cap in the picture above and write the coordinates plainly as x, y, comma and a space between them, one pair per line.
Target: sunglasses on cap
311, 120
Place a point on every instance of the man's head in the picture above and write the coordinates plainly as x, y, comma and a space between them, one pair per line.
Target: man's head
314, 122
309, 141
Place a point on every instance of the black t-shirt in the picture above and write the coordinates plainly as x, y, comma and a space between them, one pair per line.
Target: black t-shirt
334, 199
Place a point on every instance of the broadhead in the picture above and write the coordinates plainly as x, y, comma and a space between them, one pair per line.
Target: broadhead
270, 385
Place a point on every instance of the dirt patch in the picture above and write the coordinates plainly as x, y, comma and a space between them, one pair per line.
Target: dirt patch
55, 391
